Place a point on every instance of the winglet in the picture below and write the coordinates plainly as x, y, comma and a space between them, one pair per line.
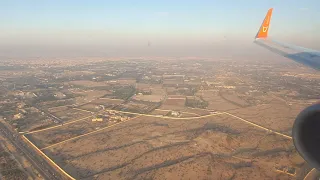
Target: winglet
264, 28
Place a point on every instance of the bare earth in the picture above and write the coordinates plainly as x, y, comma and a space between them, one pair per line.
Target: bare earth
216, 147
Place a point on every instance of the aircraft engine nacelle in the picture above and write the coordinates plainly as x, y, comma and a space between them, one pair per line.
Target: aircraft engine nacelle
306, 135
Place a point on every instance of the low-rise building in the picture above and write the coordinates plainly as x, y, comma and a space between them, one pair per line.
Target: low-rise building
97, 120
17, 116
175, 113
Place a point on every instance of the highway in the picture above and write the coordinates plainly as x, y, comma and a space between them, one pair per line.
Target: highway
45, 170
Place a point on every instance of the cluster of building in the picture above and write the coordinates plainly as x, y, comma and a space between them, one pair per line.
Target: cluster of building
111, 116
175, 113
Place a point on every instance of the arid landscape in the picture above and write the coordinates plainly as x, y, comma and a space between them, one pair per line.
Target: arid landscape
159, 90
146, 147
141, 121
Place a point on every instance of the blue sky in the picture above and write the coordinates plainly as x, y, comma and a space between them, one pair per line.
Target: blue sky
163, 22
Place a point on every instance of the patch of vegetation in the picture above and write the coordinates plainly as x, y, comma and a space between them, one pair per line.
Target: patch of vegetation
196, 103
124, 92
14, 174
9, 168
241, 164
220, 128
191, 91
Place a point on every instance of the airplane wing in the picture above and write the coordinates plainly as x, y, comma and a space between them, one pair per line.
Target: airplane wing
299, 54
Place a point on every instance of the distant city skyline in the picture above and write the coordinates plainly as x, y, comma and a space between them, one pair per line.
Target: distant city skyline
177, 27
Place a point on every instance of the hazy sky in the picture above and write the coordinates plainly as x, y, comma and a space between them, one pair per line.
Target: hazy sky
173, 27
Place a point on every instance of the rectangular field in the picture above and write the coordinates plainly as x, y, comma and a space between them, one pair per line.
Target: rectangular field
216, 102
203, 148
174, 104
71, 114
107, 101
64, 132
276, 115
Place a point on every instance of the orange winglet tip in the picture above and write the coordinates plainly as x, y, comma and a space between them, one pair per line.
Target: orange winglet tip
264, 28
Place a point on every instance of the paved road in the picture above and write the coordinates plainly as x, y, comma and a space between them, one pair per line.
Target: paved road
312, 175
46, 171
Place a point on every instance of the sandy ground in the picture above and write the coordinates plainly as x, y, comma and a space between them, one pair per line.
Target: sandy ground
216, 102
71, 114
108, 101
277, 115
174, 104
151, 98
216, 147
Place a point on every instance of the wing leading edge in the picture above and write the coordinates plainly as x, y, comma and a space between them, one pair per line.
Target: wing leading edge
299, 54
